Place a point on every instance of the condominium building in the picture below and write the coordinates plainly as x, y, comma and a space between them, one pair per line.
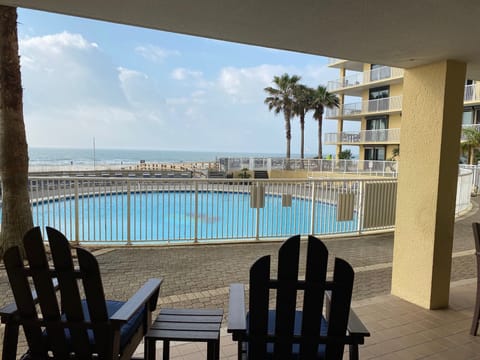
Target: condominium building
372, 95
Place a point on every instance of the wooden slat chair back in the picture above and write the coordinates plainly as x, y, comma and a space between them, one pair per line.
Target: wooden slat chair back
292, 330
63, 325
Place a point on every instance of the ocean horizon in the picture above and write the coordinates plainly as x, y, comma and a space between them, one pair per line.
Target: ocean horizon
39, 156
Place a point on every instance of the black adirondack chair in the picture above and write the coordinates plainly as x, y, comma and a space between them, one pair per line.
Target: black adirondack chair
63, 325
296, 328
476, 313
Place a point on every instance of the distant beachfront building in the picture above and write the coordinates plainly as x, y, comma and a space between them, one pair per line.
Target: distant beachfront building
372, 95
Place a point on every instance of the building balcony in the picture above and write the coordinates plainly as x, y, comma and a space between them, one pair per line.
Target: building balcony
472, 94
386, 136
353, 85
355, 111
345, 64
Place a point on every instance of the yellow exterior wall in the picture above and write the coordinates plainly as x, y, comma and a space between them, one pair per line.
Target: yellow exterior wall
394, 121
396, 89
431, 122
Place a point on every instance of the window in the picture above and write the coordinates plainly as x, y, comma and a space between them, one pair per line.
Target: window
379, 93
379, 100
467, 117
377, 129
375, 153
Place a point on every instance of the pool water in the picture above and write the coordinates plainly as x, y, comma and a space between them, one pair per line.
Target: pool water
179, 216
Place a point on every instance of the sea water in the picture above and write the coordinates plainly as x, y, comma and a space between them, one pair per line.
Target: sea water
63, 156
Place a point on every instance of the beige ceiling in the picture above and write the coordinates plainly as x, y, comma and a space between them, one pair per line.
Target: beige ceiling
398, 33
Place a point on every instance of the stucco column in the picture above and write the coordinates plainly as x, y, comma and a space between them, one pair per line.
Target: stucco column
429, 149
341, 100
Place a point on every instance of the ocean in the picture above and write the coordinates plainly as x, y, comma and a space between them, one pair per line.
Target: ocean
41, 157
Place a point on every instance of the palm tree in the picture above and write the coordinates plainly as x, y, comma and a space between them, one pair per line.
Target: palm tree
302, 104
16, 212
322, 99
470, 142
281, 99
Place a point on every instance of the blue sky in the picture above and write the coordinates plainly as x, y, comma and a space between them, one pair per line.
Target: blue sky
136, 88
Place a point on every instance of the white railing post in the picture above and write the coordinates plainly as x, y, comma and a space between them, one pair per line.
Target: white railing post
195, 219
360, 209
313, 212
257, 223
77, 215
129, 213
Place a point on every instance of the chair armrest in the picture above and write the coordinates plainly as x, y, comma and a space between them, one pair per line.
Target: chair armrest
355, 326
8, 311
237, 323
147, 293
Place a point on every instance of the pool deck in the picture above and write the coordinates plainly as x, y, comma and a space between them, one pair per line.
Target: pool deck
199, 275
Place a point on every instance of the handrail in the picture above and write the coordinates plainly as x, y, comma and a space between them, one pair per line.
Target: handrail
366, 77
358, 109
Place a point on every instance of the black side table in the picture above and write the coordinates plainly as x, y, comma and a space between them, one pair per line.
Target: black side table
198, 325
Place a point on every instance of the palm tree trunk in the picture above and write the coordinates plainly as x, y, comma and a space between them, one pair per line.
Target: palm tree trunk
302, 136
320, 120
16, 212
288, 133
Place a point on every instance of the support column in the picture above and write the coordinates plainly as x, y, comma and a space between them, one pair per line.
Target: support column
428, 171
341, 102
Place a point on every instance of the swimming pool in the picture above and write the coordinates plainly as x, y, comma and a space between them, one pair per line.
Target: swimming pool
184, 216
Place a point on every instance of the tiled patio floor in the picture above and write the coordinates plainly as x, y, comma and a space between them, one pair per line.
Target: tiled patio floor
400, 330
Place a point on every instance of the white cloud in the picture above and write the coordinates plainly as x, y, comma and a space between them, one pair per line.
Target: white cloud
57, 42
182, 74
246, 84
155, 53
75, 90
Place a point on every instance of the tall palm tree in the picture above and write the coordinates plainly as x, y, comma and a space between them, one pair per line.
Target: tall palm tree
16, 212
302, 104
281, 99
322, 99
470, 142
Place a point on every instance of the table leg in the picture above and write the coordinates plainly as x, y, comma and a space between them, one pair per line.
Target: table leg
217, 349
213, 350
149, 349
166, 350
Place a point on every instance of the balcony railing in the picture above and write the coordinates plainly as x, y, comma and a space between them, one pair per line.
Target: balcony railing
364, 136
364, 78
472, 93
359, 109
375, 136
358, 167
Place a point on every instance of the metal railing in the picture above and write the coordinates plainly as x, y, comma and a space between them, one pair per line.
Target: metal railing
363, 136
465, 188
161, 211
359, 109
168, 211
373, 136
472, 92
314, 166
365, 77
